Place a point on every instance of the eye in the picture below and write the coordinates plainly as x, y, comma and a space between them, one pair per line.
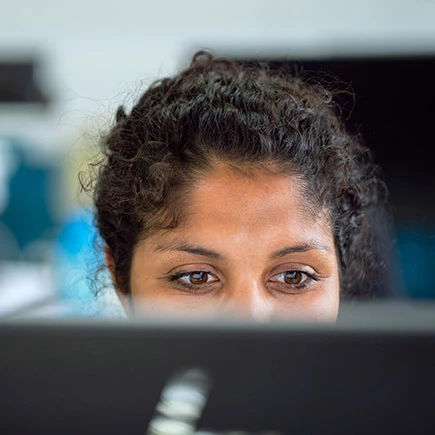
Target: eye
295, 279
197, 278
194, 279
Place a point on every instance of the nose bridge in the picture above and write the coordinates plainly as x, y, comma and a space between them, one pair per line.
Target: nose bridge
248, 298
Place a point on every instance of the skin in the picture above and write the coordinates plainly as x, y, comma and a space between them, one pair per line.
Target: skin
248, 246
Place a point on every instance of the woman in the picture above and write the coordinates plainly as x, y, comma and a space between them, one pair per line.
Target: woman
236, 190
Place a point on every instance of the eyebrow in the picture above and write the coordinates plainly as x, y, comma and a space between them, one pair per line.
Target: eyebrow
191, 249
304, 247
204, 252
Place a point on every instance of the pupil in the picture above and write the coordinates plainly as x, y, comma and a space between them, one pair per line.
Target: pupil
198, 278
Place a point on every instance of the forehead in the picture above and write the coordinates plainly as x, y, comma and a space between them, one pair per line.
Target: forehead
234, 204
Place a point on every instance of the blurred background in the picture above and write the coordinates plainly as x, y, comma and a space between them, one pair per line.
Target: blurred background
65, 67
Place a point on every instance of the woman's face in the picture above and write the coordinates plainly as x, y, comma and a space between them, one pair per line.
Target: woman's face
247, 246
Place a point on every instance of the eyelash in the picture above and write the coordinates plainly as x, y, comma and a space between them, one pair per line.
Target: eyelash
176, 278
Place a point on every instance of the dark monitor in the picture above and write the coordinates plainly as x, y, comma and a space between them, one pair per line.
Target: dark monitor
18, 83
371, 373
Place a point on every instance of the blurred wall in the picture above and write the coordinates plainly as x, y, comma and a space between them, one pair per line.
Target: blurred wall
97, 50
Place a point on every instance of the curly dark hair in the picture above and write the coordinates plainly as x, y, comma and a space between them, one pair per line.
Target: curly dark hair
247, 116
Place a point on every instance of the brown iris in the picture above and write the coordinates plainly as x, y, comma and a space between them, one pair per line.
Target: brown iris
294, 277
198, 278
